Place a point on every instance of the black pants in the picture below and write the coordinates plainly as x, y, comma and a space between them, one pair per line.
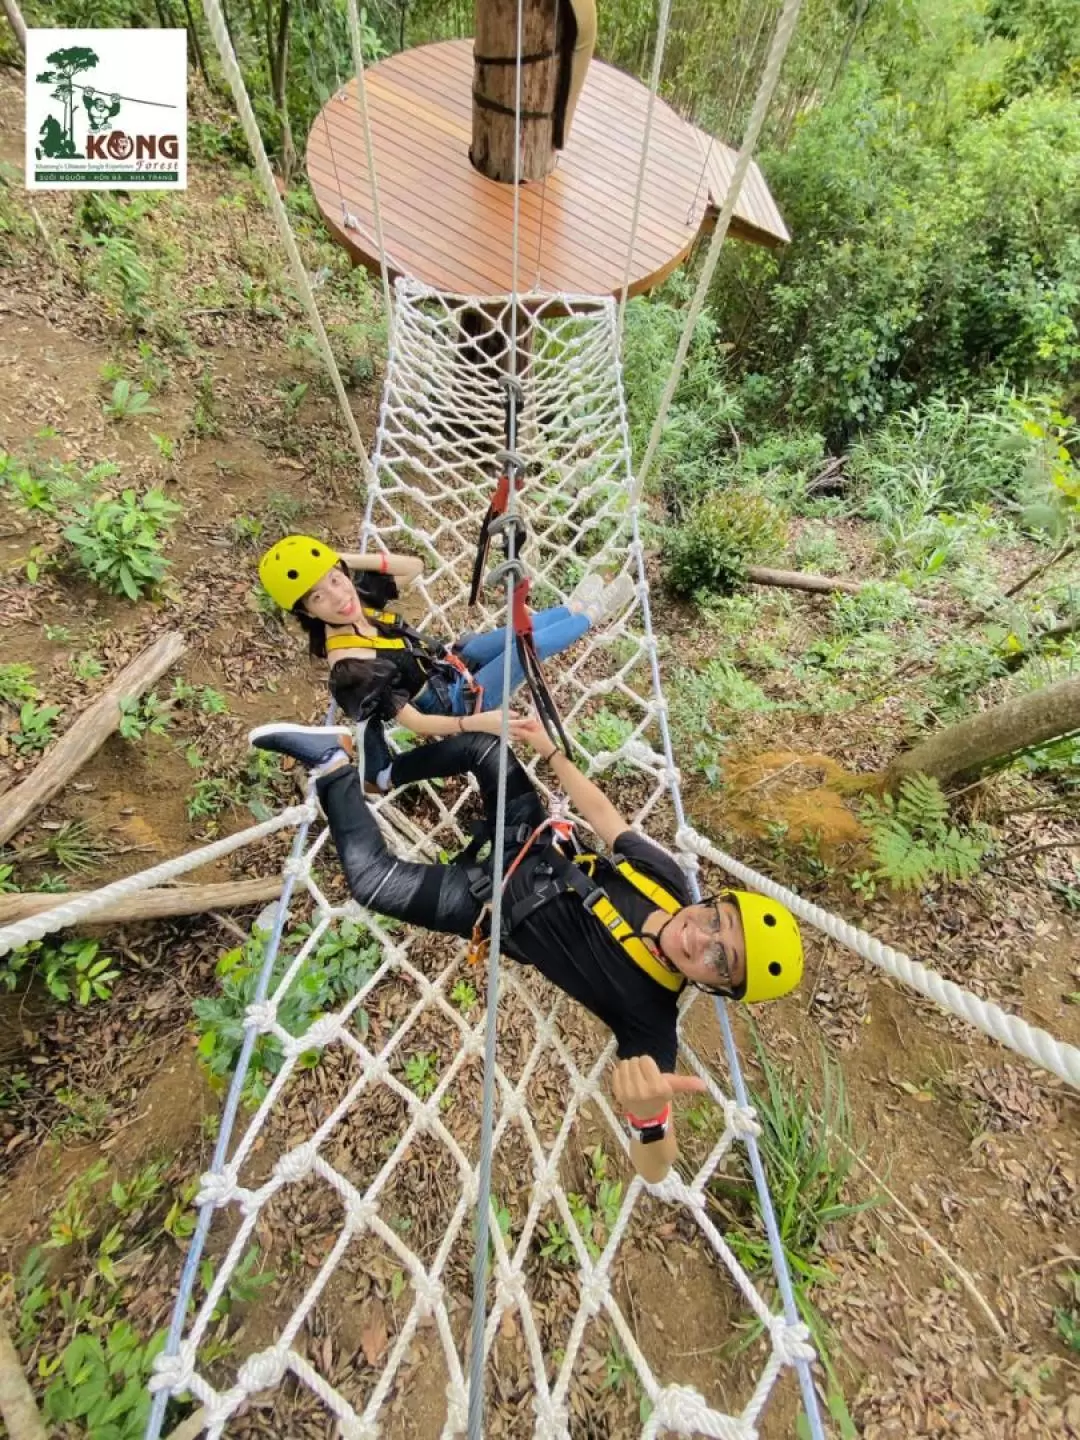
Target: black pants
438, 897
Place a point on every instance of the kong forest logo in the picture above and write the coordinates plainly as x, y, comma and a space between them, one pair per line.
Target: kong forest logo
106, 109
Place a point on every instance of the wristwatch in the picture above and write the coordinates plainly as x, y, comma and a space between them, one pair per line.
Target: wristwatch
648, 1132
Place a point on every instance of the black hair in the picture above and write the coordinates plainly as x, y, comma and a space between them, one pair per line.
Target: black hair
374, 590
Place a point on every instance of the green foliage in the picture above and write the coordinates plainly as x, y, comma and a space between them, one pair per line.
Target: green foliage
422, 1072
332, 973
912, 840
128, 402
818, 550
930, 249
1067, 1316
463, 995
809, 1158
721, 536
103, 1385
956, 451
37, 726
148, 715
71, 969
877, 606
86, 666
603, 730
16, 683
117, 541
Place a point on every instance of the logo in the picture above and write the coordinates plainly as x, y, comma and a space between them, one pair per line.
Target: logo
106, 109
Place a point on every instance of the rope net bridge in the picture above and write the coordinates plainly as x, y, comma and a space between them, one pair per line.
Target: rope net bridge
440, 433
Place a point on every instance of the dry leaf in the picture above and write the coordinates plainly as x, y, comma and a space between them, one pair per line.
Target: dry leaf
373, 1337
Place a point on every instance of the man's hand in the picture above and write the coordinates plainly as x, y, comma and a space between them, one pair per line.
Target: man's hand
643, 1090
532, 733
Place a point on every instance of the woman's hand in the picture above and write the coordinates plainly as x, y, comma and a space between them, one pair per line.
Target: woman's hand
531, 732
489, 722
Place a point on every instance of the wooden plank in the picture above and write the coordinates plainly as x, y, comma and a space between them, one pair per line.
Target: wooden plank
452, 227
454, 198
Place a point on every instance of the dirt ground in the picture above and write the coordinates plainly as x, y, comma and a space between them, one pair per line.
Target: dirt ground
941, 1297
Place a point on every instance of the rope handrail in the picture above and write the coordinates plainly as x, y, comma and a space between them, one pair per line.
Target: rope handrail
82, 910
785, 28
218, 29
1035, 1044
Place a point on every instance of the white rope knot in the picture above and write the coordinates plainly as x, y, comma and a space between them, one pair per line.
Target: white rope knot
457, 1410
594, 1291
428, 1292
218, 1187
513, 1105
296, 1164
741, 1120
688, 862
260, 1016
472, 1043
791, 1342
551, 1419
173, 1373
361, 1210
682, 1408
317, 1036
263, 1370
510, 1289
355, 1427
297, 865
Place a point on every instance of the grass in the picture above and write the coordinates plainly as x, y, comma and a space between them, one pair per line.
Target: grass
805, 1144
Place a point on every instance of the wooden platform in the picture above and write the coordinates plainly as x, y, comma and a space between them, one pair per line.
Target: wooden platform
449, 226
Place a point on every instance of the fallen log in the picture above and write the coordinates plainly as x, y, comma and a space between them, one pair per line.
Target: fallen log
817, 584
89, 732
17, 1405
150, 904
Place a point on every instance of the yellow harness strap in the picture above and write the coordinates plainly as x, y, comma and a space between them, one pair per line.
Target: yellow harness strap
623, 932
365, 642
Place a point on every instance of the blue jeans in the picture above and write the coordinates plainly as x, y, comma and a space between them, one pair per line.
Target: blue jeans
553, 631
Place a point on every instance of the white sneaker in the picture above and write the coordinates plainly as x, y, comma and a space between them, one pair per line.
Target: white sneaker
612, 599
586, 592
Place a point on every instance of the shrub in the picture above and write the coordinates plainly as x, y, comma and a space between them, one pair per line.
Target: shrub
722, 535
118, 540
16, 683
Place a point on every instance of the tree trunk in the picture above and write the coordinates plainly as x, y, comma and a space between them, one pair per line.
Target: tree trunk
816, 584
495, 86
279, 79
193, 36
973, 744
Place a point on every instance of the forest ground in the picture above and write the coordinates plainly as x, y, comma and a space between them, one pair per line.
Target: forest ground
978, 1150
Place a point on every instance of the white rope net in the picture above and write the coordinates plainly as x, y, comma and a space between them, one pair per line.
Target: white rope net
440, 429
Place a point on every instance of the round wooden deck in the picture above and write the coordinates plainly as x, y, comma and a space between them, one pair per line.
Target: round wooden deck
451, 227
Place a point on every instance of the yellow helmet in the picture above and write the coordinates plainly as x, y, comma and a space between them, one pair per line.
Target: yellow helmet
290, 568
774, 950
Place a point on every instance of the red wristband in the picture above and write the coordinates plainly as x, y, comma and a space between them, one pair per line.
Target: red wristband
661, 1119
384, 562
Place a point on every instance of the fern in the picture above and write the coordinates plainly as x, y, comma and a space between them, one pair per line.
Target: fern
912, 840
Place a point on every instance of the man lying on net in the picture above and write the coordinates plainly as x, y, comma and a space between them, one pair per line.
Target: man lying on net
619, 935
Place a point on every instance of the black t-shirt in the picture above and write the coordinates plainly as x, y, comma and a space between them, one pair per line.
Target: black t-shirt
378, 687
573, 949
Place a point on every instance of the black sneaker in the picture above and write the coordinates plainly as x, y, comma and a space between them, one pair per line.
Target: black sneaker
314, 746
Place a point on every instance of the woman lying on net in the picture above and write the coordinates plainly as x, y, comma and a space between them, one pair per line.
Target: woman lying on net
385, 671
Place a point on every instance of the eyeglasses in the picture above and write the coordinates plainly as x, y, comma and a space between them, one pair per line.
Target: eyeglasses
717, 953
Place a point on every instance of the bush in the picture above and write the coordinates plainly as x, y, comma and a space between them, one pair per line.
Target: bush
118, 541
912, 840
928, 251
722, 535
957, 452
